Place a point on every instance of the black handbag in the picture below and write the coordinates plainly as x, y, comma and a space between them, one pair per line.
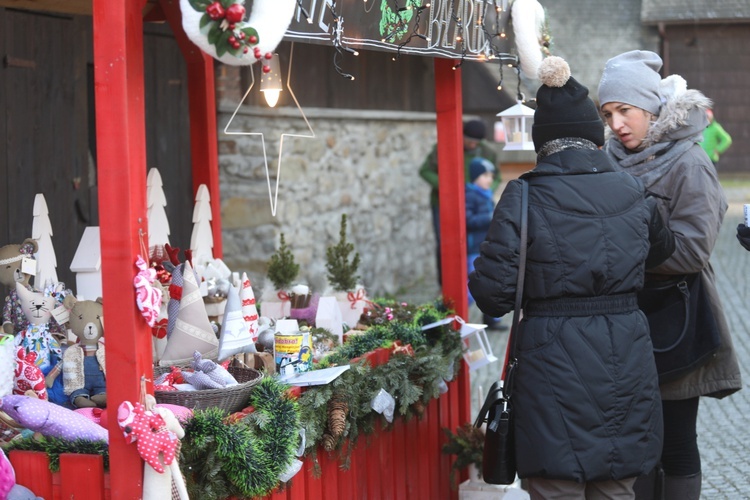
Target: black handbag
683, 329
499, 452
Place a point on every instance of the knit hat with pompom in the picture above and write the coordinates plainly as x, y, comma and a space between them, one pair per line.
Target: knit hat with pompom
564, 108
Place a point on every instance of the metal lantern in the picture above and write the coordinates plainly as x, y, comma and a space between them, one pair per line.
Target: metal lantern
270, 82
478, 349
517, 122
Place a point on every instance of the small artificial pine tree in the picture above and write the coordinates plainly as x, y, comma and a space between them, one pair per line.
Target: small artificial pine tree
282, 269
342, 274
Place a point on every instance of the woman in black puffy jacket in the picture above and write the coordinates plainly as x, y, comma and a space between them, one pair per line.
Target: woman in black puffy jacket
588, 412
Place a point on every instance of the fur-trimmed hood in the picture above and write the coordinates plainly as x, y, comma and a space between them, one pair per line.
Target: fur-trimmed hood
682, 115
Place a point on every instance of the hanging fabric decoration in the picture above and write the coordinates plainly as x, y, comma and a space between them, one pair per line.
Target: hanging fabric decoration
528, 23
147, 297
218, 28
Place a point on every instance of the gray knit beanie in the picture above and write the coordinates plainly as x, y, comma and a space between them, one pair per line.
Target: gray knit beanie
632, 78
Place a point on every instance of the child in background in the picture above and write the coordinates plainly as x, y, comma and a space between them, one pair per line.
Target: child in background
479, 209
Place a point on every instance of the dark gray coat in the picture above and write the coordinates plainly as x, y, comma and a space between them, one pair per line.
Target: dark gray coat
586, 392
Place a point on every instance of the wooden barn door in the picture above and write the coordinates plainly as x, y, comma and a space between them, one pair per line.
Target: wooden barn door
43, 128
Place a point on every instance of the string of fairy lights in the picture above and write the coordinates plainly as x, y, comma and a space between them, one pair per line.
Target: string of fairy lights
407, 17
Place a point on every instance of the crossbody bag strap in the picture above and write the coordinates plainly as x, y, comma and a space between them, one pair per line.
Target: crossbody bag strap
510, 363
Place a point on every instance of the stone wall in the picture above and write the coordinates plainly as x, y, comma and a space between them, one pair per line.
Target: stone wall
360, 163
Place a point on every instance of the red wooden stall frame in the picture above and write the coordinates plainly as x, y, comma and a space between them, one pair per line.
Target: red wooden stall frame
411, 447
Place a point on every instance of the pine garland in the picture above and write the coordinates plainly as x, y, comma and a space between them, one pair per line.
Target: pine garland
342, 274
243, 459
282, 269
53, 447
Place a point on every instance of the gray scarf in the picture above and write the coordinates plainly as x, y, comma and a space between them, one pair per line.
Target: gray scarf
652, 163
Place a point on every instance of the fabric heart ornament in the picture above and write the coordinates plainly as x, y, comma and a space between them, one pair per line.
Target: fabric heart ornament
148, 297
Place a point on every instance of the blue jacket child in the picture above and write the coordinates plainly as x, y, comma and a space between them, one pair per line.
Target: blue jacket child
479, 207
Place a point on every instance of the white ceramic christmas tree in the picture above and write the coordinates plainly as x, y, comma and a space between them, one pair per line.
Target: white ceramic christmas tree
158, 225
202, 239
41, 231
249, 310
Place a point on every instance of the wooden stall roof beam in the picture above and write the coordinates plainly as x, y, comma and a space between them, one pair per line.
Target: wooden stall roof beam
80, 7
204, 149
452, 180
121, 163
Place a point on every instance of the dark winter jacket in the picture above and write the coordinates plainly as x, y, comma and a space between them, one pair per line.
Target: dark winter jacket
692, 203
586, 391
479, 207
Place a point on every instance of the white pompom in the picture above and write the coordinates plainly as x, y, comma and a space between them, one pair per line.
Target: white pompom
554, 71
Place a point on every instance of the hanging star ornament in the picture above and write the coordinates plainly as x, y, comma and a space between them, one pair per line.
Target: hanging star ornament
273, 195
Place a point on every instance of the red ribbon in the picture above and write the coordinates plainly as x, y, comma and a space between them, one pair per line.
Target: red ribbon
356, 297
283, 296
175, 292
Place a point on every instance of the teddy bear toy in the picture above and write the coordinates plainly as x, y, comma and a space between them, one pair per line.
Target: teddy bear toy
84, 374
11, 257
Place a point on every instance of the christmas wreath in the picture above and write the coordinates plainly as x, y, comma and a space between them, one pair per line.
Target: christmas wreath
219, 28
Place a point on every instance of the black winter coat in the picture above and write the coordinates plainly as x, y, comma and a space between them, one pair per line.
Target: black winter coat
586, 392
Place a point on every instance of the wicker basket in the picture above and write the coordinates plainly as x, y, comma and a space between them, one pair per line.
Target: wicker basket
231, 399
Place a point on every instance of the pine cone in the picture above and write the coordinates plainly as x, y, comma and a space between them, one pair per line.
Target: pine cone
419, 408
337, 411
329, 442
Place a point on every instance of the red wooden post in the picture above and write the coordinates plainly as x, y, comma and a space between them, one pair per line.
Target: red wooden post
121, 163
448, 105
75, 467
204, 150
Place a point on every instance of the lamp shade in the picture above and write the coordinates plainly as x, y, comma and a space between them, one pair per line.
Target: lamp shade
517, 122
270, 82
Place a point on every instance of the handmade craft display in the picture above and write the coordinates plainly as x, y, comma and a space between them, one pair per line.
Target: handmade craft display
148, 296
84, 363
208, 374
177, 272
249, 309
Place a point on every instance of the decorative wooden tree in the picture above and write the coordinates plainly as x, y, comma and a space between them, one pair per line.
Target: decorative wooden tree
158, 225
41, 231
202, 240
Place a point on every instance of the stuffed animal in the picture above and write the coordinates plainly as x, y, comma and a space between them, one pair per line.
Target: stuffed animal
156, 444
84, 374
157, 486
51, 420
37, 337
11, 257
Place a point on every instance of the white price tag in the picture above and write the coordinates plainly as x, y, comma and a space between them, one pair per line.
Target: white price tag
61, 314
28, 266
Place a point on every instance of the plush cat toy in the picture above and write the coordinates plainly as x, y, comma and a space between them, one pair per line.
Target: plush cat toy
37, 337
84, 363
11, 257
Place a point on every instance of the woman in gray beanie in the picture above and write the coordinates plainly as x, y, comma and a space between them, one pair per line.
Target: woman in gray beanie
656, 126
586, 395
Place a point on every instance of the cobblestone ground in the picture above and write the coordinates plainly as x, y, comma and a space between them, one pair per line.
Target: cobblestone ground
723, 430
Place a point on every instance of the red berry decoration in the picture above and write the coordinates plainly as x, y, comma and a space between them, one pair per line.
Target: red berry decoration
231, 26
253, 39
268, 55
231, 40
215, 11
244, 51
235, 13
266, 69
242, 35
